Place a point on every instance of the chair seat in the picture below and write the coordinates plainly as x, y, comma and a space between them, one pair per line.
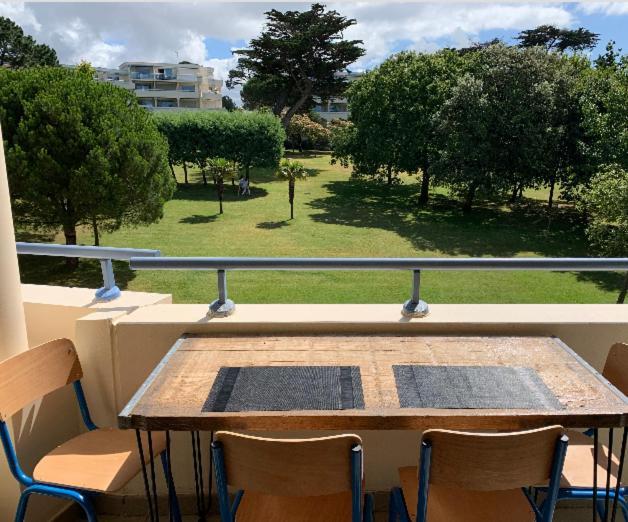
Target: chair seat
269, 508
454, 505
578, 468
102, 460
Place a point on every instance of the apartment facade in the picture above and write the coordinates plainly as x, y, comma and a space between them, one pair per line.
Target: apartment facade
167, 85
335, 108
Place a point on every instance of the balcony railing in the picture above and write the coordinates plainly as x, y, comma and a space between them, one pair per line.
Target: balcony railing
105, 255
413, 307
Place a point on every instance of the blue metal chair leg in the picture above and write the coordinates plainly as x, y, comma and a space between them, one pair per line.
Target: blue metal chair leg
368, 507
54, 491
172, 492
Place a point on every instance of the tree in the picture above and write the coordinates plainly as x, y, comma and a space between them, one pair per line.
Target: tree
605, 113
221, 169
80, 152
20, 50
606, 204
291, 170
492, 129
393, 109
298, 55
610, 59
555, 39
302, 127
228, 104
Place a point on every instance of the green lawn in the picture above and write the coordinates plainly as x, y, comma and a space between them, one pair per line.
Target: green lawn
337, 216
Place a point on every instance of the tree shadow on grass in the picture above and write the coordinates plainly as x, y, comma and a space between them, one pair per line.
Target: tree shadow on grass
198, 219
609, 281
46, 270
491, 229
272, 225
208, 193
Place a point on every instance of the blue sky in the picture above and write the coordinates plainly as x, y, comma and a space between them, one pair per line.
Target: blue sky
107, 34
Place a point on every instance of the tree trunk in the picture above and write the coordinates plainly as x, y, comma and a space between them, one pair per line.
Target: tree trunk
174, 176
468, 200
204, 177
425, 187
69, 231
550, 201
624, 290
291, 197
285, 121
389, 174
246, 172
96, 234
513, 195
220, 186
520, 191
185, 171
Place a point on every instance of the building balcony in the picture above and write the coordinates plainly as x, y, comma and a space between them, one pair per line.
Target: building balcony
165, 93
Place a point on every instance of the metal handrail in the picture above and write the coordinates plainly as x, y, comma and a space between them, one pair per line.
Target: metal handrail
105, 255
413, 307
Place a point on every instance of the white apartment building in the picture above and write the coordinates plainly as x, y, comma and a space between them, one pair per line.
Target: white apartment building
335, 108
167, 85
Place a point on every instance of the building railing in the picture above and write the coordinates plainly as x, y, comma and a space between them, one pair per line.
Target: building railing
105, 255
413, 307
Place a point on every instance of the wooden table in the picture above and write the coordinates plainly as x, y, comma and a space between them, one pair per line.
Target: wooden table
173, 395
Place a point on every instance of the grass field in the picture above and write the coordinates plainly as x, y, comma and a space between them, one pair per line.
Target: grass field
338, 216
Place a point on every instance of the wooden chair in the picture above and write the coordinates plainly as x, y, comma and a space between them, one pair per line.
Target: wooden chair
99, 461
577, 479
474, 477
309, 480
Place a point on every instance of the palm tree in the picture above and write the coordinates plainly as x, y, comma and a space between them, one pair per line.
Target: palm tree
291, 170
220, 169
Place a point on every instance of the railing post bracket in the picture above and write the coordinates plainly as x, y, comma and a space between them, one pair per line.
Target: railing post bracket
221, 307
109, 291
415, 306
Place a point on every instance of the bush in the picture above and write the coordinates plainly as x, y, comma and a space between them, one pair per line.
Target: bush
252, 139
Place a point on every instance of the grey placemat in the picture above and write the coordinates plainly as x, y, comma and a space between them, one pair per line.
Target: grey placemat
285, 388
461, 387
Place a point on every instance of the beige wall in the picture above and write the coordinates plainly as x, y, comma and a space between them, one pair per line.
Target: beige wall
53, 312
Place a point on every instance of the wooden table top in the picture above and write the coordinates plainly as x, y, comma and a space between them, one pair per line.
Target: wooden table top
173, 395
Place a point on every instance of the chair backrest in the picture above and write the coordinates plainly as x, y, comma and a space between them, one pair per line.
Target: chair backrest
36, 372
491, 462
616, 367
288, 467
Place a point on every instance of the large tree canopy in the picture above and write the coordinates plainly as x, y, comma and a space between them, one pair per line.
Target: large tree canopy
393, 109
493, 129
80, 152
20, 50
299, 55
557, 39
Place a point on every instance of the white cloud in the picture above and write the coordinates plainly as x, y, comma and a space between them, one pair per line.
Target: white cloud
21, 15
381, 26
607, 8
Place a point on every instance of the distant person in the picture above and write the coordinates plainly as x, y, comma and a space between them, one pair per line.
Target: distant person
242, 186
246, 187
